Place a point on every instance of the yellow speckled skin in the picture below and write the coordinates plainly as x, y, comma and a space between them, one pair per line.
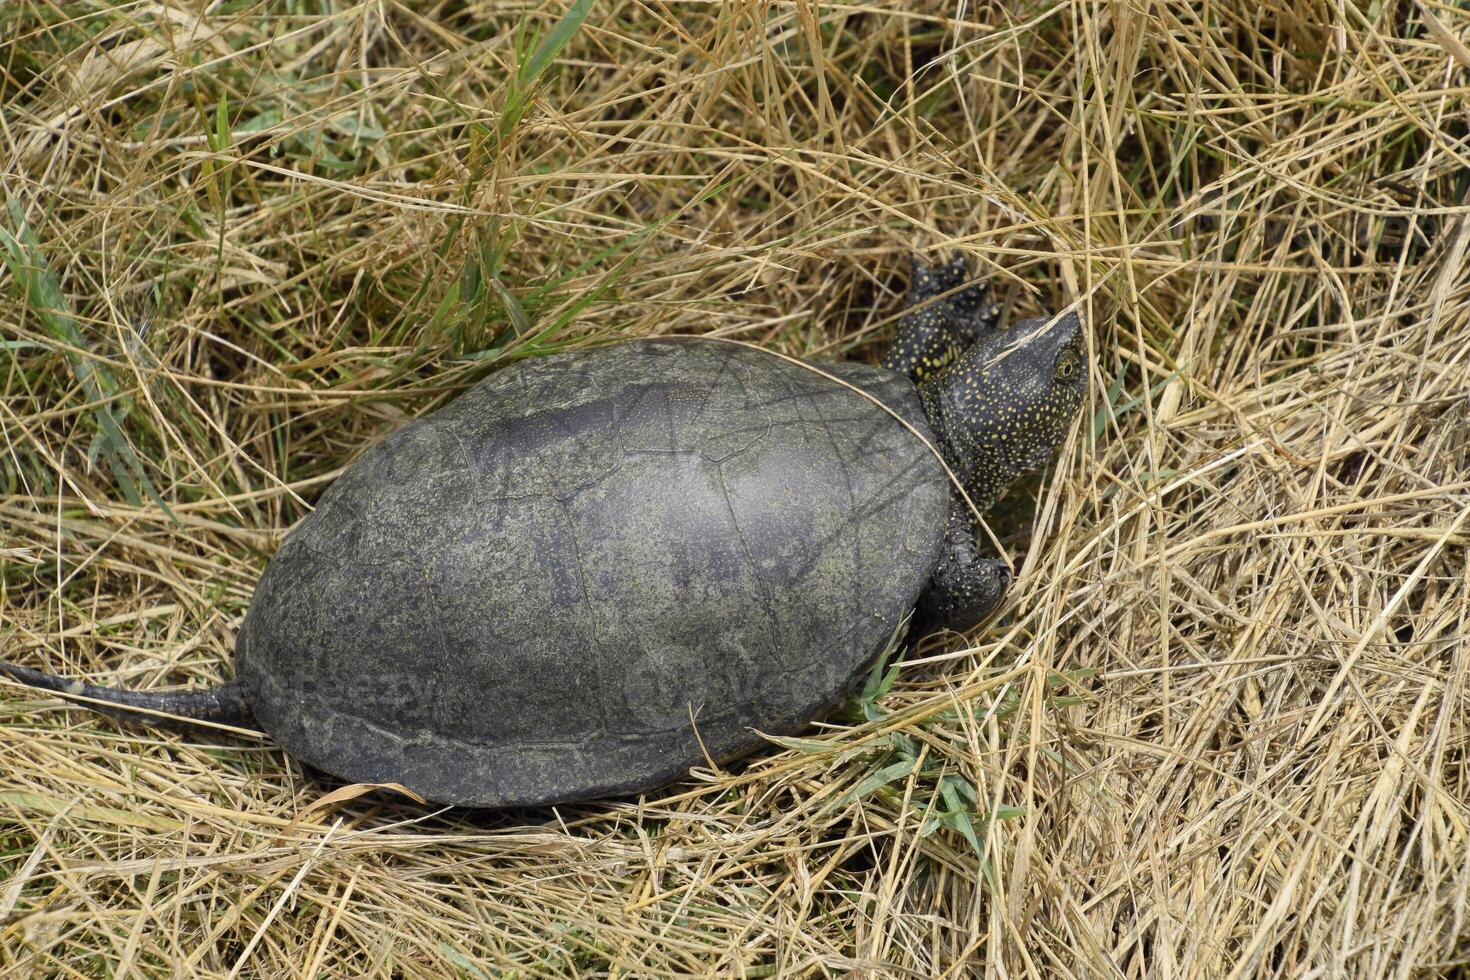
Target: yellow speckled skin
942, 321
999, 402
1003, 405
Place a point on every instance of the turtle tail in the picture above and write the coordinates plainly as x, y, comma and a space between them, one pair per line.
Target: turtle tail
223, 705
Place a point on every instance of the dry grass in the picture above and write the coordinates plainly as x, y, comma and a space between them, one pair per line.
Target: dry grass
1221, 731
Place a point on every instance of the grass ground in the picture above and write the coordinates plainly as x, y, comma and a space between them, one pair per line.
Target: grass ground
1221, 729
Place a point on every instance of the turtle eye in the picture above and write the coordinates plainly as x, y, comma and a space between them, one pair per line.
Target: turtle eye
1067, 366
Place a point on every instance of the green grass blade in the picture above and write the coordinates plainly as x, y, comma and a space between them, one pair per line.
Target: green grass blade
570, 23
39, 287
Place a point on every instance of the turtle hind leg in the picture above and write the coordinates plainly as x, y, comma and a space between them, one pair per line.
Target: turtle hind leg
964, 588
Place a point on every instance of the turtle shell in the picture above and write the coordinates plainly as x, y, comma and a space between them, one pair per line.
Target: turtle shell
595, 570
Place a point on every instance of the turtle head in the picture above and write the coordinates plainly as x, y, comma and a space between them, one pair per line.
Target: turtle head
1004, 405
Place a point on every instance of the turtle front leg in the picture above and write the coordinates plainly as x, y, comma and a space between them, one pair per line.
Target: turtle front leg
965, 588
974, 309
930, 338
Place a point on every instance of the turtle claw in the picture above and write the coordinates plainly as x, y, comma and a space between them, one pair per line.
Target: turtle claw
954, 272
923, 282
926, 281
974, 313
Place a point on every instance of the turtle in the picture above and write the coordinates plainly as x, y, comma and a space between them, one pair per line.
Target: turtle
599, 568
